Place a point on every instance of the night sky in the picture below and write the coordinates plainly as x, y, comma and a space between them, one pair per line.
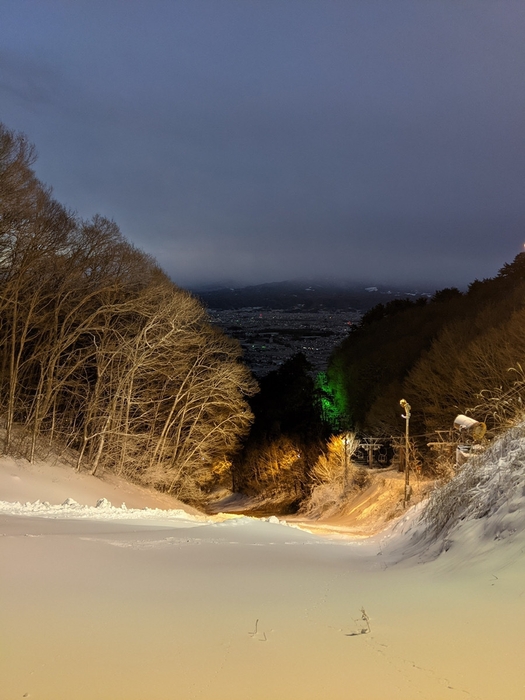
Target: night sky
248, 141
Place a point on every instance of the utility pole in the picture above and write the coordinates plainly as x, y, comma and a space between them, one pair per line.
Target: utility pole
406, 416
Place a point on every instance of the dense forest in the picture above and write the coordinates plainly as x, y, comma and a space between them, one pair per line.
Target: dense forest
455, 353
287, 436
101, 352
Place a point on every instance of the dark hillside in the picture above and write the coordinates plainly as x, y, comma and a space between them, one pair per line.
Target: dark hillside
438, 354
304, 295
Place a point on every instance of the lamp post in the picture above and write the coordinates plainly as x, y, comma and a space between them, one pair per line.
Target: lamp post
345, 443
406, 416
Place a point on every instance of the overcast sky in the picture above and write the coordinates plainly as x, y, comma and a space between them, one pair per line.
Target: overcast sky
247, 141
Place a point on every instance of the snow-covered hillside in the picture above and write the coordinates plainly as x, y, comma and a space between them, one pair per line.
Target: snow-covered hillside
147, 601
474, 513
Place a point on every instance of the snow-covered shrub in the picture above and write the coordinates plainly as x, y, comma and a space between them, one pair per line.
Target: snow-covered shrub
324, 500
482, 486
334, 476
334, 466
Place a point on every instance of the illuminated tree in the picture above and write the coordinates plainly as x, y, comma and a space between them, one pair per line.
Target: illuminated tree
101, 350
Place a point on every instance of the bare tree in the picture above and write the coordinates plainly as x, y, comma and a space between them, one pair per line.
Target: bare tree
99, 349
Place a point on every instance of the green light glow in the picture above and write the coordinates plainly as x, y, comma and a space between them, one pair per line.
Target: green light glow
331, 412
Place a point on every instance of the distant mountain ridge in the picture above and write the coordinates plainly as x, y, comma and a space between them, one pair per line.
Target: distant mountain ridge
306, 295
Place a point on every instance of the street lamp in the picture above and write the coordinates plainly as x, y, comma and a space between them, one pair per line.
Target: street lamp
406, 416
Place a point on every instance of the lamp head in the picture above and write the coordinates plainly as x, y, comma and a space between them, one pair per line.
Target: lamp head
406, 406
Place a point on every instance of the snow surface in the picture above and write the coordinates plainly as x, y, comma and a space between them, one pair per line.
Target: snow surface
153, 601
103, 510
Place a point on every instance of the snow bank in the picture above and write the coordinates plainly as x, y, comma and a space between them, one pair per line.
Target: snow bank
490, 486
102, 511
483, 504
56, 482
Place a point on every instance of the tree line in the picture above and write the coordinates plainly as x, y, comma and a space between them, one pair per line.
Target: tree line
286, 438
446, 355
296, 456
101, 351
453, 353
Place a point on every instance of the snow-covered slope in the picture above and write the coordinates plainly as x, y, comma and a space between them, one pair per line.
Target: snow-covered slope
55, 482
97, 604
490, 489
472, 515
